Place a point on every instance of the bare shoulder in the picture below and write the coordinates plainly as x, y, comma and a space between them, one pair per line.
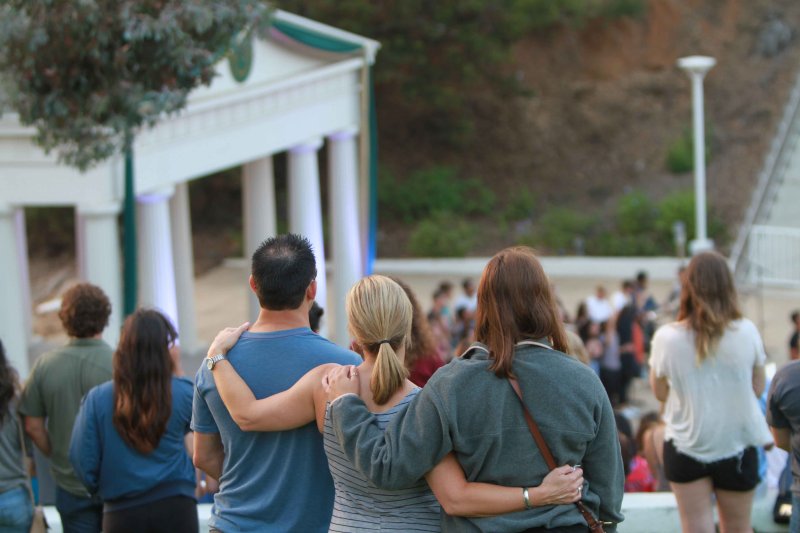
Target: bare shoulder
319, 371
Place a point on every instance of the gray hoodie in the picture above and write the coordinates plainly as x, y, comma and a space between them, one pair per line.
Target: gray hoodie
467, 409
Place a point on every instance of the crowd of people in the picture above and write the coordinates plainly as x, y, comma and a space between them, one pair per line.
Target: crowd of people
495, 411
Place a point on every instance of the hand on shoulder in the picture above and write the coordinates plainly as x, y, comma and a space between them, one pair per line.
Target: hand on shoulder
226, 339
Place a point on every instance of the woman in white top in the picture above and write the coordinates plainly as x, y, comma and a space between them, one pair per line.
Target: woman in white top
709, 369
379, 318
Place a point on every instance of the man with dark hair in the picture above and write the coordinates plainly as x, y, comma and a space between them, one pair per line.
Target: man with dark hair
276, 481
53, 394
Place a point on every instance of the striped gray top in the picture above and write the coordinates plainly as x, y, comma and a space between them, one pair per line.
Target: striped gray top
360, 506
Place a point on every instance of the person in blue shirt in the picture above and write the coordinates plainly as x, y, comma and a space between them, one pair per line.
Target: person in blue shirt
129, 443
269, 481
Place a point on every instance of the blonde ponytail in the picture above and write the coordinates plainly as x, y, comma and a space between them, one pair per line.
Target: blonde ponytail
379, 318
388, 375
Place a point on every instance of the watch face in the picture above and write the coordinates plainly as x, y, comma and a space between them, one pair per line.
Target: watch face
209, 364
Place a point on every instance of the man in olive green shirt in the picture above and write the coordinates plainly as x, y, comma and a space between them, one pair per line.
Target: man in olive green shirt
53, 394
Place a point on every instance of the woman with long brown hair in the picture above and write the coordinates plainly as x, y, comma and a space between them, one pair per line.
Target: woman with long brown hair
16, 507
130, 439
708, 367
469, 408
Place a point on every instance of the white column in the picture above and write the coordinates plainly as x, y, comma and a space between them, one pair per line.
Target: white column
183, 257
12, 303
345, 232
99, 249
260, 219
156, 267
697, 67
21, 236
305, 207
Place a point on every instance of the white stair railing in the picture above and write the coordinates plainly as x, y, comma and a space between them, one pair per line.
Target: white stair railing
781, 148
773, 256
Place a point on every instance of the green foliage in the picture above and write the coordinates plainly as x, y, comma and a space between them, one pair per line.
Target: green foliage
624, 8
639, 227
428, 191
677, 207
635, 213
680, 154
611, 243
441, 235
87, 74
521, 205
558, 228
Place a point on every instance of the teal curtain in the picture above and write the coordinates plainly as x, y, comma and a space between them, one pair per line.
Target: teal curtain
329, 44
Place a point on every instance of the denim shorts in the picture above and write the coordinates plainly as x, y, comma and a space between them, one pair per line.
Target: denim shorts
737, 473
16, 511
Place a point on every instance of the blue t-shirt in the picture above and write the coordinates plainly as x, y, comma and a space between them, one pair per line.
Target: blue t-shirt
123, 476
276, 481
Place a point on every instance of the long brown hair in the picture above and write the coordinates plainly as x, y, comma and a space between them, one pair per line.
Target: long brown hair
515, 302
422, 344
379, 319
143, 379
9, 385
708, 300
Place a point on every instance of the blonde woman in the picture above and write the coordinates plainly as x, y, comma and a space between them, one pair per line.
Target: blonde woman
709, 369
380, 316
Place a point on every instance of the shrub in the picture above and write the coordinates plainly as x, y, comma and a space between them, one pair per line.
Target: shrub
558, 228
680, 154
624, 8
613, 243
678, 206
521, 206
636, 214
431, 190
441, 235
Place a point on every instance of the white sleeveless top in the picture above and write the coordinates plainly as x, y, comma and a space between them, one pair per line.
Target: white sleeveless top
711, 411
360, 506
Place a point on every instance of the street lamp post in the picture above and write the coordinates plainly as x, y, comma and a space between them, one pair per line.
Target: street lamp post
697, 67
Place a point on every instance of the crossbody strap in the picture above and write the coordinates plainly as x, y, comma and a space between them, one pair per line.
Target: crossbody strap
594, 525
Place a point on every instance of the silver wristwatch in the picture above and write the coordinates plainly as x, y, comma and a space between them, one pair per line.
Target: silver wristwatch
213, 360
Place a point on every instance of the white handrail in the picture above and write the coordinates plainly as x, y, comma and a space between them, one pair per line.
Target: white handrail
774, 255
777, 152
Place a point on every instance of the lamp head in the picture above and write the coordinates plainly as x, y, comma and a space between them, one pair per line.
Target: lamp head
697, 64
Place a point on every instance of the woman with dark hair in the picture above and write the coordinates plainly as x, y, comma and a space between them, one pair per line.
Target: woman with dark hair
130, 439
16, 508
709, 369
422, 357
469, 407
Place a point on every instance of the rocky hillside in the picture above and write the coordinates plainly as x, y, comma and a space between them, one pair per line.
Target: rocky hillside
607, 103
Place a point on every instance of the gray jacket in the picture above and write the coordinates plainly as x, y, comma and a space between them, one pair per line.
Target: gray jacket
467, 409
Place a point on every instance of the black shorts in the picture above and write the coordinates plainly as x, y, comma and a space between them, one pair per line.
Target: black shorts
738, 473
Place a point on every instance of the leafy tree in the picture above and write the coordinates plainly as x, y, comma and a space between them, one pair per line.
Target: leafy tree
88, 74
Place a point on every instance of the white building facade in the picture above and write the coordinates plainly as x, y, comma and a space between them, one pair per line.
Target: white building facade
293, 98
